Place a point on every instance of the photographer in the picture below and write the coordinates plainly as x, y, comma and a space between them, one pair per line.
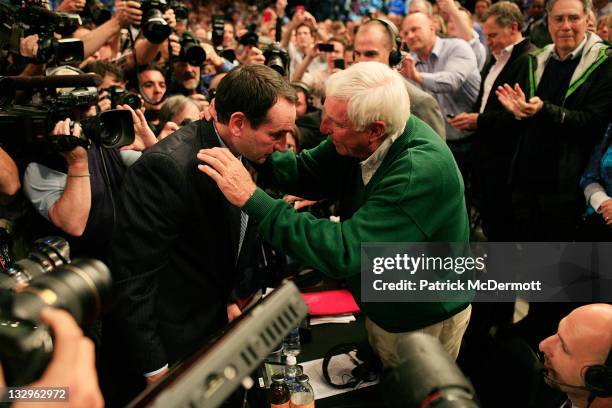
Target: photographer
153, 87
76, 190
127, 13
111, 75
72, 365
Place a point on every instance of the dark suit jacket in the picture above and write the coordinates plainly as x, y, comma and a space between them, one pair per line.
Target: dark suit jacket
174, 252
495, 124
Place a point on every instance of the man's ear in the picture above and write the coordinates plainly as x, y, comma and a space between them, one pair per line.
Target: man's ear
236, 123
378, 130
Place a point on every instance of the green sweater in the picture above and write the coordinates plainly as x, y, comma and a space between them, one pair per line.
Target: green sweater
415, 195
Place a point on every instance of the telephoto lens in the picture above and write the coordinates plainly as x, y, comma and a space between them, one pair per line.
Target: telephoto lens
46, 255
26, 346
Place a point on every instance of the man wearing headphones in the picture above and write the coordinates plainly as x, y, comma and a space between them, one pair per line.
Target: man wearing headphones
379, 40
578, 358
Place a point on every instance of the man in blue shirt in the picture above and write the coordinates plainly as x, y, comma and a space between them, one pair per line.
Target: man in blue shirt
444, 67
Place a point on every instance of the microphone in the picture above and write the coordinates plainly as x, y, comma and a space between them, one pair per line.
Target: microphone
544, 373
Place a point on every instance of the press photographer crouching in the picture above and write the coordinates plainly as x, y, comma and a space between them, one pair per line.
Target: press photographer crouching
42, 346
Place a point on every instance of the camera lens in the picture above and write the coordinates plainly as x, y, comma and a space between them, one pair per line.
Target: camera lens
194, 54
154, 27
46, 255
276, 63
80, 287
130, 99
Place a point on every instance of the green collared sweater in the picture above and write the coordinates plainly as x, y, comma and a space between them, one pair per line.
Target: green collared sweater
416, 195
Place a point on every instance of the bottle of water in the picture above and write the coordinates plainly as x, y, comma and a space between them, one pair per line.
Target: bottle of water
291, 372
303, 394
291, 343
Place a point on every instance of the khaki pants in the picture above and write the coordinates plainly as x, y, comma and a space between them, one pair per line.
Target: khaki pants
449, 332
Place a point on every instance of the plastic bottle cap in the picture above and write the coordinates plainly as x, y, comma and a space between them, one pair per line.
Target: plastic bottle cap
291, 360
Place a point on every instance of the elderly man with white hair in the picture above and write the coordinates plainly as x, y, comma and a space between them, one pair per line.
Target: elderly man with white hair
388, 170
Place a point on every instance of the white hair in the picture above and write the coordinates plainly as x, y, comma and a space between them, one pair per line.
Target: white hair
374, 92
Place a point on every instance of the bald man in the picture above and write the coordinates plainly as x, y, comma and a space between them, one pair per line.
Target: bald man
583, 340
447, 69
375, 42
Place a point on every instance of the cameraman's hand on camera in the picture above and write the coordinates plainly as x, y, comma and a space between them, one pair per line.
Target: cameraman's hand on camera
71, 6
143, 135
104, 102
249, 55
78, 156
170, 18
73, 364
28, 46
128, 12
167, 130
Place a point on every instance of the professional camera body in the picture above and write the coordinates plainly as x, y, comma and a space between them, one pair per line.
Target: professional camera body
119, 96
59, 97
23, 18
45, 278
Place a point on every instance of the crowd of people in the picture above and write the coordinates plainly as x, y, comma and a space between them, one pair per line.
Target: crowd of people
405, 121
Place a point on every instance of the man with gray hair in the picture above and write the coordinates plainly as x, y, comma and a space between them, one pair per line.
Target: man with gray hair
560, 116
387, 170
563, 112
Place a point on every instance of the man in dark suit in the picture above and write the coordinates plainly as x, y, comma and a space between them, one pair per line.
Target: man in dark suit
493, 124
179, 244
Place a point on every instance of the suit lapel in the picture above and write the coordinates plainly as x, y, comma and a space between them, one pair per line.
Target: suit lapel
209, 139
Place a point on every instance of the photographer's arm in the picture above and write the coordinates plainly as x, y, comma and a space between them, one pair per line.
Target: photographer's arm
9, 175
71, 211
126, 13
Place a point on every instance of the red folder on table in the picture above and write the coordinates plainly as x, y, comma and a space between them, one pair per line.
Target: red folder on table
330, 302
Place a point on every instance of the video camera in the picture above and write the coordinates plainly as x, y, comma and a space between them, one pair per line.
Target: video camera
23, 18
191, 51
45, 278
59, 97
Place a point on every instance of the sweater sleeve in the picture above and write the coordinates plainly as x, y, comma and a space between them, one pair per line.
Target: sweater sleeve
335, 247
